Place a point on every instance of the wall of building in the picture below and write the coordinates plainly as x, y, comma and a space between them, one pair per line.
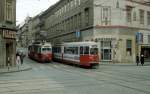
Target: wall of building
1, 10
70, 19
118, 47
117, 13
7, 32
2, 56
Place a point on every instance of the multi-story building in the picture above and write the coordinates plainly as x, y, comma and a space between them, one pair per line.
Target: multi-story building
7, 32
31, 30
121, 27
24, 33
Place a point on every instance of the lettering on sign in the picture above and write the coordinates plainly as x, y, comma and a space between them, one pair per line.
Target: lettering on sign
9, 34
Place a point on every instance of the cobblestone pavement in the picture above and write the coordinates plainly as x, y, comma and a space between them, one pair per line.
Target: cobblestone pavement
57, 78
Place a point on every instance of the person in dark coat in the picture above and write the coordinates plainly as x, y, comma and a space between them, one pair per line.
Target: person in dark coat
137, 60
22, 57
142, 59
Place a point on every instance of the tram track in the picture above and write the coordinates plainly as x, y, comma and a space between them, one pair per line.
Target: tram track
96, 74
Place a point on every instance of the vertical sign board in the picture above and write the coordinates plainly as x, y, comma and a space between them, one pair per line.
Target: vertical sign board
139, 37
78, 33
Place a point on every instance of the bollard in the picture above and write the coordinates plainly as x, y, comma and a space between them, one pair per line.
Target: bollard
8, 66
18, 67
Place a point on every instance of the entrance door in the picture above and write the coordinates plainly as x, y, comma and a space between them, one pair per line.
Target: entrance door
146, 51
7, 53
106, 50
107, 54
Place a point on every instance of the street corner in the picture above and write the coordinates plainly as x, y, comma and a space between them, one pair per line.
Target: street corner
21, 68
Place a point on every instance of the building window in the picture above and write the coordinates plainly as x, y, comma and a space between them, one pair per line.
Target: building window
75, 3
75, 21
79, 20
141, 16
134, 16
87, 17
129, 47
129, 13
9, 10
106, 15
71, 4
78, 2
148, 17
148, 38
71, 23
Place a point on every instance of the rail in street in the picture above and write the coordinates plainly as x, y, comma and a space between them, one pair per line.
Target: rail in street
58, 78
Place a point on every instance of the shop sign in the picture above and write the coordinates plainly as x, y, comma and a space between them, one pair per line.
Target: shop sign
9, 34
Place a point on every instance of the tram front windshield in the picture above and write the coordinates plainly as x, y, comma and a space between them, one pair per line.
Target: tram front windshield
94, 51
45, 50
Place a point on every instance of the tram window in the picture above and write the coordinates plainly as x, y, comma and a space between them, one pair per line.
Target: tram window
86, 50
65, 50
46, 49
76, 50
71, 50
94, 51
43, 49
58, 50
68, 50
36, 49
81, 50
39, 50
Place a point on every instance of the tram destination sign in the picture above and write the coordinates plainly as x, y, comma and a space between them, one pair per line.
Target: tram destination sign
9, 34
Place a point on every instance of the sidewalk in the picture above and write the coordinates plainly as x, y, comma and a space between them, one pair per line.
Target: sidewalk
23, 67
123, 64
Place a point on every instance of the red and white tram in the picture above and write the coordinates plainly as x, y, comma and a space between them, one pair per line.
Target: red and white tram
41, 52
81, 53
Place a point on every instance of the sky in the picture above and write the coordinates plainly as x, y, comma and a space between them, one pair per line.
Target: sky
31, 8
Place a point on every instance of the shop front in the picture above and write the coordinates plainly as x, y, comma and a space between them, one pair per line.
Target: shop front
7, 47
145, 50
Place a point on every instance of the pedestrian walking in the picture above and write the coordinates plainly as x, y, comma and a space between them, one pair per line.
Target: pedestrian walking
142, 59
137, 60
18, 60
22, 57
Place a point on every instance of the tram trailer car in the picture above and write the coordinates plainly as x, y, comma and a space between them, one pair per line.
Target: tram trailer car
80, 53
41, 52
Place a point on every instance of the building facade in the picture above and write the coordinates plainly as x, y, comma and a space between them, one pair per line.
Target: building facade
120, 27
7, 32
30, 30
25, 34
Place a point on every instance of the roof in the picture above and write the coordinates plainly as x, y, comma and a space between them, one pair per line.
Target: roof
78, 43
41, 44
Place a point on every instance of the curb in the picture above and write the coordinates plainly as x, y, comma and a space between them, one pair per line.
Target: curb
26, 69
124, 64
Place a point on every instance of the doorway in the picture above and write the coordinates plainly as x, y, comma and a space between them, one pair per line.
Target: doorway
8, 54
106, 50
106, 54
146, 51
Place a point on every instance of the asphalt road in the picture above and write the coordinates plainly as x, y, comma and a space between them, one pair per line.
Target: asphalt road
57, 78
